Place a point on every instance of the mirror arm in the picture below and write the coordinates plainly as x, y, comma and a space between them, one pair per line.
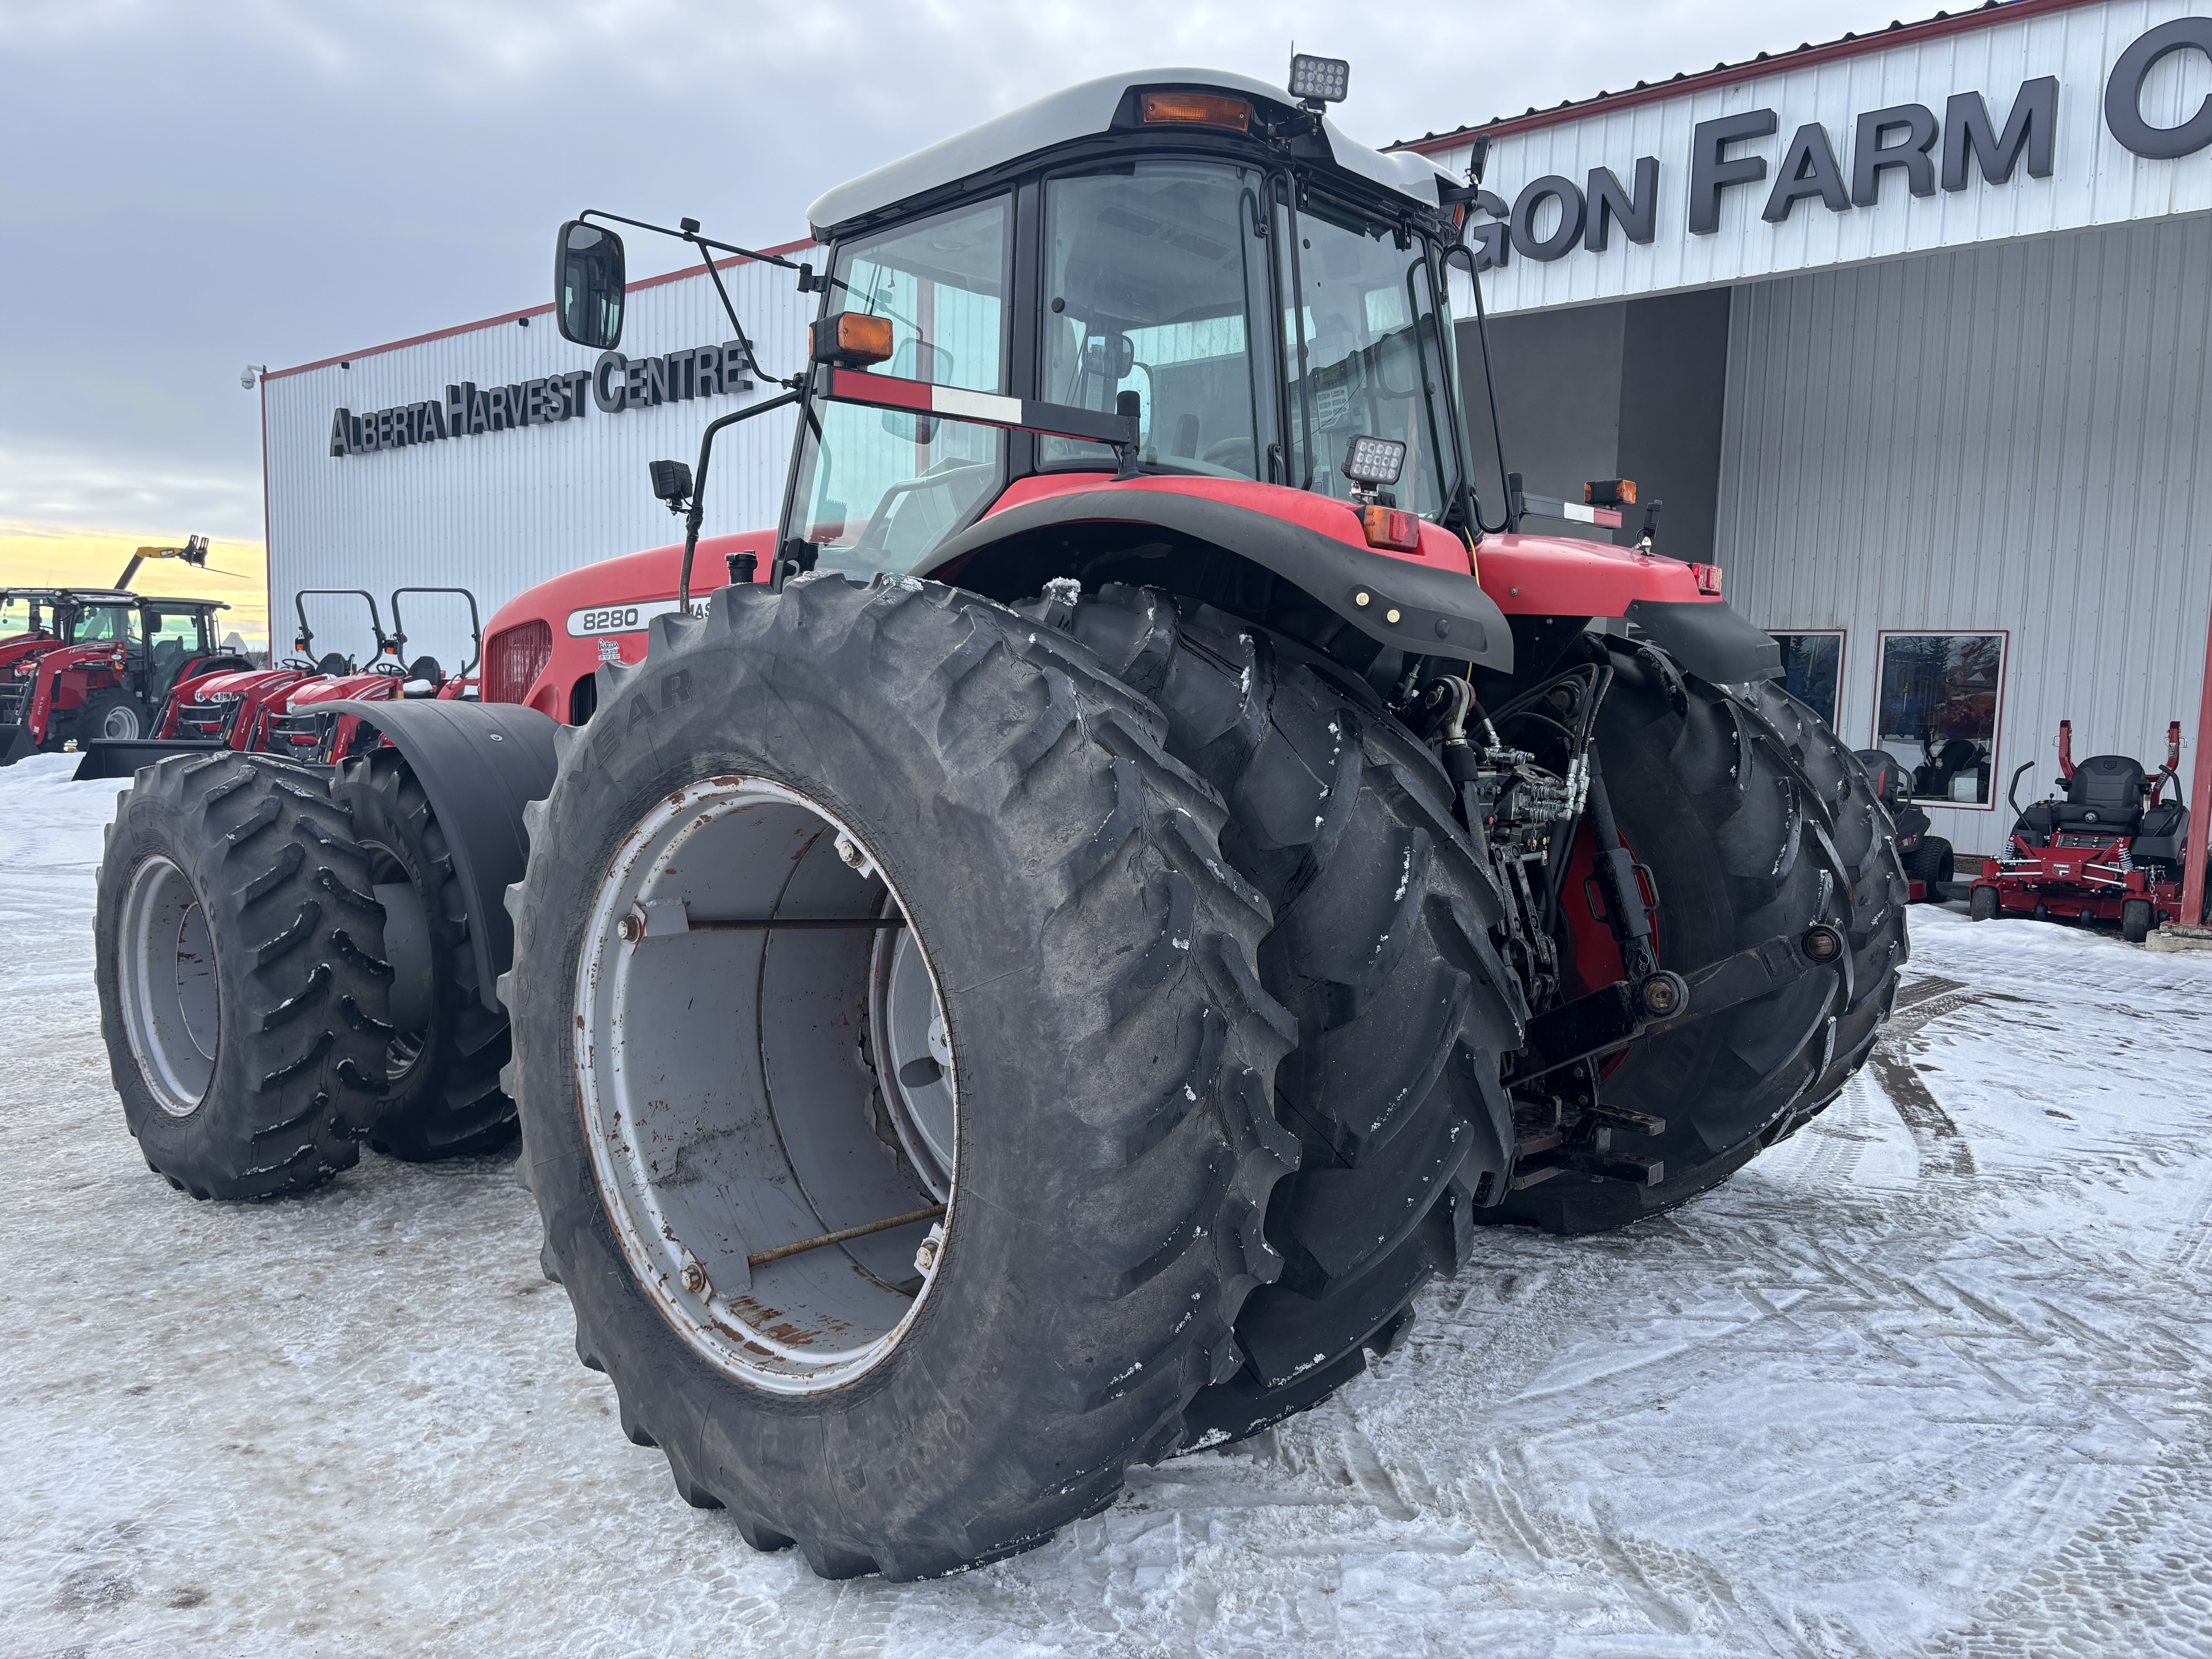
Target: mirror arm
698, 512
693, 236
731, 311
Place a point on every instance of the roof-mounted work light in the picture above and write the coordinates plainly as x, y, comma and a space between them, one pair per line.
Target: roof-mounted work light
1318, 80
1372, 461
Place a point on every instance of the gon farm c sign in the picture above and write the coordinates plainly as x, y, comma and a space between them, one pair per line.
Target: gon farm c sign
1904, 138
611, 385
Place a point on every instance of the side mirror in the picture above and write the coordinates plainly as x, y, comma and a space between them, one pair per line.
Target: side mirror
588, 285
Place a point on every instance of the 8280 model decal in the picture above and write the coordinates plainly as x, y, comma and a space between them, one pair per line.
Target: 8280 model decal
624, 618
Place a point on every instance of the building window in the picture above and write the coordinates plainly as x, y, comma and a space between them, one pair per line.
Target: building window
1935, 712
1812, 669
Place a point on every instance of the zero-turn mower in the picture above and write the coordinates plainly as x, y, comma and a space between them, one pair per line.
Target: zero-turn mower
2112, 848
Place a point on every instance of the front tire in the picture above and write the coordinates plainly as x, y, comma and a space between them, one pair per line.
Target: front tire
900, 762
442, 1062
113, 716
2134, 921
238, 958
1754, 821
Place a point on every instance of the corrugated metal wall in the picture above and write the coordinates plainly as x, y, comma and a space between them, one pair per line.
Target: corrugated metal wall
500, 511
2016, 437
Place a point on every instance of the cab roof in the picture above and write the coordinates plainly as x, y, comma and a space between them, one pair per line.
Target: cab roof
1083, 111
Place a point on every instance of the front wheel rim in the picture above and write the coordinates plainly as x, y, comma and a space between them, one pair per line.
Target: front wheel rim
730, 1088
172, 1001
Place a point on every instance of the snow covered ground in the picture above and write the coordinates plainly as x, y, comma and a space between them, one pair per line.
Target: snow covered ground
1936, 1377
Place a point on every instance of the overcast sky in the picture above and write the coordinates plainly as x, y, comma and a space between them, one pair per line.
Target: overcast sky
187, 189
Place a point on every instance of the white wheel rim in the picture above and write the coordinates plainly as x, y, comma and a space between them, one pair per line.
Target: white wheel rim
172, 1005
726, 1090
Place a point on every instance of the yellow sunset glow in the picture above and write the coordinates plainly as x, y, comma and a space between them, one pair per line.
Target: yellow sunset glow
41, 555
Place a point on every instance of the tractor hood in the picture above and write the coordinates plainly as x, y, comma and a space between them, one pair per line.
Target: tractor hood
1084, 111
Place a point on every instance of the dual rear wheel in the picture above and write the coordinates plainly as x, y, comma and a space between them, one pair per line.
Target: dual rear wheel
961, 1053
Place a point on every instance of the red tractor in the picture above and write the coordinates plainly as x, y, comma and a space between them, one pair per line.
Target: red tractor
1035, 969
99, 665
287, 708
2111, 849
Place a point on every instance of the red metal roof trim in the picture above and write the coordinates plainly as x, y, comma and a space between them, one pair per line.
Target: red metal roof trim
514, 316
1766, 63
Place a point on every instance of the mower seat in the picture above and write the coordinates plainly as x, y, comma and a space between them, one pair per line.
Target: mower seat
2105, 796
2162, 835
1887, 777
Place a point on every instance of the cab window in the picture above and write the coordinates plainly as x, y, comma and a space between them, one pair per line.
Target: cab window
104, 624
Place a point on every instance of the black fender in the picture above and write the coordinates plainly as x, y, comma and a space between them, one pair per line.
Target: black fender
480, 763
1420, 609
1708, 640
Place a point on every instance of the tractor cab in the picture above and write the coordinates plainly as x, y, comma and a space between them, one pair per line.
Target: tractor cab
26, 618
1220, 266
179, 637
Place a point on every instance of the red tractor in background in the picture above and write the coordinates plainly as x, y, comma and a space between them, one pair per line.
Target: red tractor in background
285, 708
2112, 848
1035, 971
99, 665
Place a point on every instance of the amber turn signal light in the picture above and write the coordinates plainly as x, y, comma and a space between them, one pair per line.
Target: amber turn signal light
1200, 109
1610, 492
849, 339
1391, 528
1708, 578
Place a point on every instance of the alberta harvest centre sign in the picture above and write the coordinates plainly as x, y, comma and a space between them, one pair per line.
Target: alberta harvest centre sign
613, 384
1905, 147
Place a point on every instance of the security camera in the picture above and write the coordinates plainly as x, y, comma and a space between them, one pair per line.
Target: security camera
248, 375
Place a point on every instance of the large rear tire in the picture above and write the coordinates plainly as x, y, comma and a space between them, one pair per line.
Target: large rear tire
1085, 1080
1755, 821
1381, 949
242, 987
442, 1062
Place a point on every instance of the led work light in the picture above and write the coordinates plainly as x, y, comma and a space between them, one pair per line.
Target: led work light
672, 482
1373, 461
1319, 80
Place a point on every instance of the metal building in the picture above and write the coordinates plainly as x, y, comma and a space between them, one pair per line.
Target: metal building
493, 455
1910, 331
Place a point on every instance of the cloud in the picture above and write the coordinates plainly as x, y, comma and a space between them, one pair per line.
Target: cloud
192, 187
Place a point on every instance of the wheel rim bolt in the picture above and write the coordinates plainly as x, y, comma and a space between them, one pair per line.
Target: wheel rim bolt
924, 1257
630, 929
694, 1277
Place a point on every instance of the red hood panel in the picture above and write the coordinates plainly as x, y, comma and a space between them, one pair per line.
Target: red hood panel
1560, 576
